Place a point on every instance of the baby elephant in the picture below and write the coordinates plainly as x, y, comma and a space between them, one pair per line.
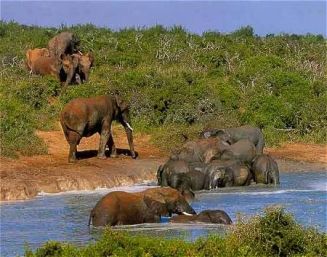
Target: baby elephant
236, 175
265, 170
207, 216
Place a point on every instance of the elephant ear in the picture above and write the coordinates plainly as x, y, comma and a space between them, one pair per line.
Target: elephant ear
157, 207
122, 105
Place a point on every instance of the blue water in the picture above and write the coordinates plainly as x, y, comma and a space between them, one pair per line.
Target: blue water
64, 217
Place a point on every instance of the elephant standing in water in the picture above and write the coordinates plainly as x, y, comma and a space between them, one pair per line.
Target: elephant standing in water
232, 135
122, 208
207, 216
265, 170
233, 175
243, 151
83, 117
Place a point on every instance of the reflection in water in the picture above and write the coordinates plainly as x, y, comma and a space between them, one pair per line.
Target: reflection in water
64, 216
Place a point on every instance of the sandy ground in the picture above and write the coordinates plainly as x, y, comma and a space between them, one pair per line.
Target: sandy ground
25, 177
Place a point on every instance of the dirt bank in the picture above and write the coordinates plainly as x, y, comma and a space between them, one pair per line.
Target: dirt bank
24, 178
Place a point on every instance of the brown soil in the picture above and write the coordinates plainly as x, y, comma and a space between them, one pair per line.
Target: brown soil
25, 177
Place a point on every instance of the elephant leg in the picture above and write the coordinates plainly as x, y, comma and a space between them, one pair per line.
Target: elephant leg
73, 140
112, 147
104, 137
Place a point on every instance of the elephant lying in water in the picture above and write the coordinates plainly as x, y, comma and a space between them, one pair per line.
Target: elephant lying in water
207, 216
122, 208
265, 170
232, 135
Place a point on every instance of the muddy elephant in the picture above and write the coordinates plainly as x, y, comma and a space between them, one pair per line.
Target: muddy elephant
122, 208
33, 54
202, 150
265, 170
213, 173
207, 216
243, 150
63, 43
85, 62
63, 69
234, 175
232, 135
83, 117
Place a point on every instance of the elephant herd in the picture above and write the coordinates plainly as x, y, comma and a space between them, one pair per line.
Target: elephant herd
61, 59
220, 158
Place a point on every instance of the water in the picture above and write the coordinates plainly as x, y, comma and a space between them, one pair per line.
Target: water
64, 216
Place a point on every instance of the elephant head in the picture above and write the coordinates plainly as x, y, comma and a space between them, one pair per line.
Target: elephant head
166, 201
217, 178
85, 62
122, 115
69, 68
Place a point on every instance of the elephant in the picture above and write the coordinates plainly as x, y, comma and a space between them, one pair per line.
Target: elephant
232, 135
85, 62
122, 208
171, 167
202, 150
213, 172
265, 170
243, 150
207, 216
63, 69
234, 175
181, 175
83, 117
33, 54
63, 43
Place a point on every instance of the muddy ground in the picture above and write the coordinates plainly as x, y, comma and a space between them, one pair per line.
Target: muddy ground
25, 177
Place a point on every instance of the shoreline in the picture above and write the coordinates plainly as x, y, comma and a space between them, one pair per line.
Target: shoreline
26, 177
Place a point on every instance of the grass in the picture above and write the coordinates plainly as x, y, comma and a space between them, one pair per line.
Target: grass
177, 83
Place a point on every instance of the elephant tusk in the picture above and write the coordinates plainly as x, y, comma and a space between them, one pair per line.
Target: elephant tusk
187, 214
128, 125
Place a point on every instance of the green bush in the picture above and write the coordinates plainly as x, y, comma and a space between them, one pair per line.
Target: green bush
176, 79
274, 234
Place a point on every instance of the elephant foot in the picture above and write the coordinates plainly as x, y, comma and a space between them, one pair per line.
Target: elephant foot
114, 155
102, 156
134, 155
72, 160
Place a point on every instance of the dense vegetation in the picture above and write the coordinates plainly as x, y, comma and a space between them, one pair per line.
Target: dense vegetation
274, 234
176, 82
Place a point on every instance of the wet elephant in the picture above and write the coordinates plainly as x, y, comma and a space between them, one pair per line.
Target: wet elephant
207, 216
213, 173
122, 208
234, 175
265, 170
232, 135
83, 117
243, 151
